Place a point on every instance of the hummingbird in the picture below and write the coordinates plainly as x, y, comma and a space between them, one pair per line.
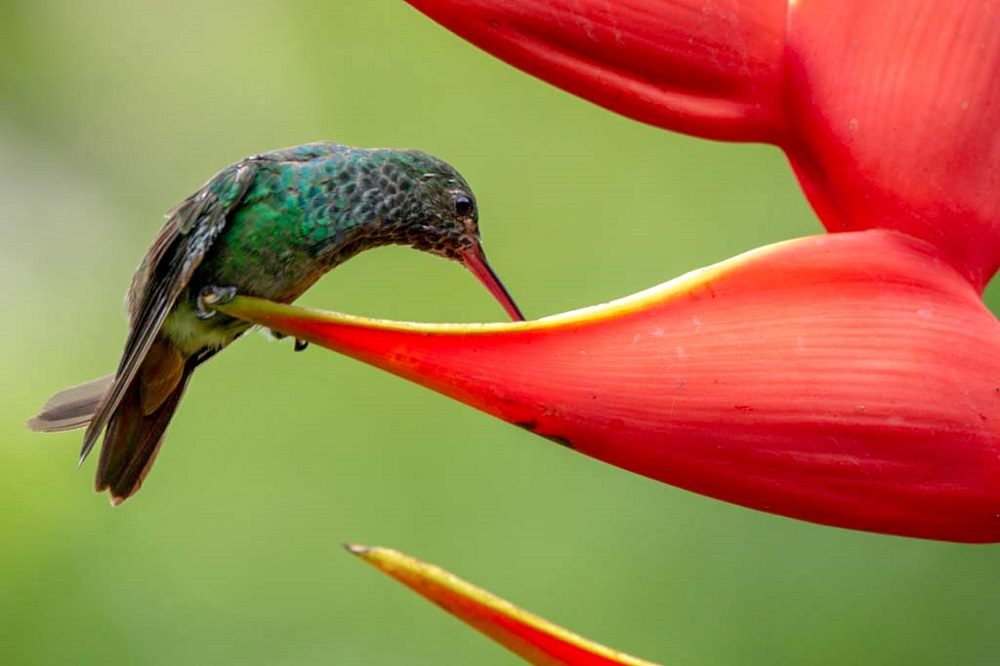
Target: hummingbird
268, 226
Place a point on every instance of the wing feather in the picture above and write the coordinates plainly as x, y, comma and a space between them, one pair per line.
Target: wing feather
191, 228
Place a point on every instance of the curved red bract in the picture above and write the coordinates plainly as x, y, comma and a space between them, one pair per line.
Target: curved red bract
888, 110
849, 379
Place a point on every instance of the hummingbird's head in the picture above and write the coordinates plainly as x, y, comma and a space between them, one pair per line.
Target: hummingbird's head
441, 217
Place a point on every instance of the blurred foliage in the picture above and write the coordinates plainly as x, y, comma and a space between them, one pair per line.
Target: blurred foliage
112, 111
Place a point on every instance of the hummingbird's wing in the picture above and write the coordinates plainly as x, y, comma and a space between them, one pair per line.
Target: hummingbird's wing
182, 243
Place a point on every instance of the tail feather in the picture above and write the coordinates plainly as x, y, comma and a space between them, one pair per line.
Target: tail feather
133, 439
71, 408
136, 425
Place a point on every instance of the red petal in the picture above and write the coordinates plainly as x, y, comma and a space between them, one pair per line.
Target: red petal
896, 113
850, 380
535, 639
707, 68
889, 110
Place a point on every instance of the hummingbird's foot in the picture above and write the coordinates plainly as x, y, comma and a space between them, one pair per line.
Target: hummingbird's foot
211, 296
300, 345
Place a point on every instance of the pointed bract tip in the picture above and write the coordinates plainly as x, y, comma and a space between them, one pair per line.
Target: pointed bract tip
535, 639
356, 549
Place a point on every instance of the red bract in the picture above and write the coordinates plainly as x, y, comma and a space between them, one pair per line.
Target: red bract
888, 110
849, 379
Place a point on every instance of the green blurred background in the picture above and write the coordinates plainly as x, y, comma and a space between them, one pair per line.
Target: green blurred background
112, 111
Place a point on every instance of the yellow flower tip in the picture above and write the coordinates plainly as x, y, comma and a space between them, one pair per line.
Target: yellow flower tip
534, 638
356, 549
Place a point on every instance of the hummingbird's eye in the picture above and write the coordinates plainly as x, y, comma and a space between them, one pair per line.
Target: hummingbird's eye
463, 206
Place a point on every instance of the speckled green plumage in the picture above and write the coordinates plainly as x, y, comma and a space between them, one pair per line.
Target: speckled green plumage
307, 209
310, 207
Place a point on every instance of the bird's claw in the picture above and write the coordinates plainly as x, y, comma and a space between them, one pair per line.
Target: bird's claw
210, 297
300, 345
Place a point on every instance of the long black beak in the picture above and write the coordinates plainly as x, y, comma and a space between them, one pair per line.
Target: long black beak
475, 260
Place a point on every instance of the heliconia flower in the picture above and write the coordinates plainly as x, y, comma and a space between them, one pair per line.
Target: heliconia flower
850, 379
536, 640
889, 111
